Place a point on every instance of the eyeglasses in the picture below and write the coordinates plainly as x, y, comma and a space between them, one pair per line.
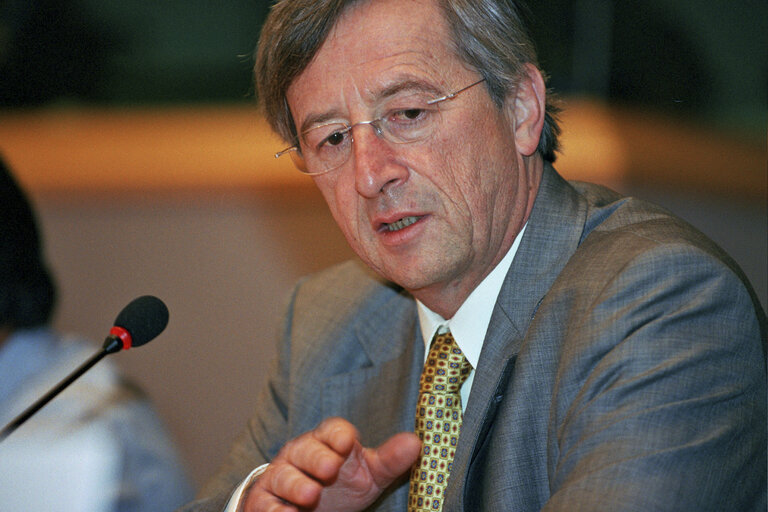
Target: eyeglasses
408, 118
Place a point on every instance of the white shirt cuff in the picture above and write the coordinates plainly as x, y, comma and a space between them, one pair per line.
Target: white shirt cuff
233, 505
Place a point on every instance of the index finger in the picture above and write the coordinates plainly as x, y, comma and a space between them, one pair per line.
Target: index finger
339, 434
321, 452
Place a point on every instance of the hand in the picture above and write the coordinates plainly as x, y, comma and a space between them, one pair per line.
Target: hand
327, 469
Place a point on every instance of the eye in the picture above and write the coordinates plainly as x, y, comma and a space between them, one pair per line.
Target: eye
327, 137
334, 139
413, 113
407, 115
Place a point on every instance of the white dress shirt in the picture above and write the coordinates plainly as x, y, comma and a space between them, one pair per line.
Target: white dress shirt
470, 323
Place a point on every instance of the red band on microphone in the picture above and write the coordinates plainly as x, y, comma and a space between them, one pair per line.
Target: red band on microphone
123, 334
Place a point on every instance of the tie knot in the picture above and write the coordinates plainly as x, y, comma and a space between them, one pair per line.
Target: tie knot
446, 368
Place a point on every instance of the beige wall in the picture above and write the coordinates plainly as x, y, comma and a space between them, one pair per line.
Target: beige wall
222, 263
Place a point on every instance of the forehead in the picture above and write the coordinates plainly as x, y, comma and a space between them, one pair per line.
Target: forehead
373, 47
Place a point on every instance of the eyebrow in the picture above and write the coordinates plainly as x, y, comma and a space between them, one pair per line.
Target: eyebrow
408, 85
387, 92
314, 120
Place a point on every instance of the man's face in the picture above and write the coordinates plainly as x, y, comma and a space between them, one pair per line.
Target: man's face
464, 186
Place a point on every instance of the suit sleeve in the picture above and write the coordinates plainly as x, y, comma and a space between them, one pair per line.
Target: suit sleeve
662, 402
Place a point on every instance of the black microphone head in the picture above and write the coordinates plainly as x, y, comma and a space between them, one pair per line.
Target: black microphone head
144, 318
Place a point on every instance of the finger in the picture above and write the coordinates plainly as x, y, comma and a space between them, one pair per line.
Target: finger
283, 484
339, 434
393, 458
312, 456
264, 502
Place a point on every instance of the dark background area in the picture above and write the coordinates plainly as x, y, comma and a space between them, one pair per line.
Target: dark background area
127, 52
693, 59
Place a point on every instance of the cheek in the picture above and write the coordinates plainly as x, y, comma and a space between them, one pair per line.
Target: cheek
342, 203
474, 184
463, 177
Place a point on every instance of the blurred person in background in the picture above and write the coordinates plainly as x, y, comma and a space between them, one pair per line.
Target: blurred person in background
98, 446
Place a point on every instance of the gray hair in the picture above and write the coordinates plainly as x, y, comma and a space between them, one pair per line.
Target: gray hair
488, 35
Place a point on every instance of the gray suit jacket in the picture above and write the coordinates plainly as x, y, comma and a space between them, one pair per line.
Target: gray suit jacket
623, 369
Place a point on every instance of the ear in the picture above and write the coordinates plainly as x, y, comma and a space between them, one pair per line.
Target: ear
527, 106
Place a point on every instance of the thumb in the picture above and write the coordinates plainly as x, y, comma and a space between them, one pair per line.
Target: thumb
393, 458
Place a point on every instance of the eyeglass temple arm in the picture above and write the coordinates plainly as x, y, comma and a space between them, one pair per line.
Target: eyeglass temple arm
453, 94
286, 150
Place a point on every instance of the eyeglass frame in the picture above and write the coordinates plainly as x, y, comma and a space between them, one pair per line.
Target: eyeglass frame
372, 122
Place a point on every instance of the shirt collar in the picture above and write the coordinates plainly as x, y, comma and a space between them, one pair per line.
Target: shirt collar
470, 322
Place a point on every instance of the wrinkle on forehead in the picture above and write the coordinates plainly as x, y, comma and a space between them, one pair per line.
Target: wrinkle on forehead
378, 63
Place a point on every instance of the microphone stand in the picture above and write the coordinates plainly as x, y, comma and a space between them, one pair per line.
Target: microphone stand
111, 345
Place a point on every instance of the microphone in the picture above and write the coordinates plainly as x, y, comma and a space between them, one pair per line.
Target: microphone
138, 323
141, 321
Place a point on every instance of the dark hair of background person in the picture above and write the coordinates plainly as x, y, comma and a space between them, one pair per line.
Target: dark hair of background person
27, 290
489, 35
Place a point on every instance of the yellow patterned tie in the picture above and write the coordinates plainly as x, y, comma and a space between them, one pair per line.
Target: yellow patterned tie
438, 420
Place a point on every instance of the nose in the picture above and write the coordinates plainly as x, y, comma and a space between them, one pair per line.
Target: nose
376, 164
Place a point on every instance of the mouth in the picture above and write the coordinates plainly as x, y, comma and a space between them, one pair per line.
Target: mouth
399, 224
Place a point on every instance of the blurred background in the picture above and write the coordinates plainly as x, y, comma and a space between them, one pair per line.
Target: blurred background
133, 126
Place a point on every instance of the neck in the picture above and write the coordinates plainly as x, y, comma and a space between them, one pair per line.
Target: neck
445, 301
446, 298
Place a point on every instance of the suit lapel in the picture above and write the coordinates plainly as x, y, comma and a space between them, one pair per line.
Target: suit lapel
551, 237
380, 397
379, 400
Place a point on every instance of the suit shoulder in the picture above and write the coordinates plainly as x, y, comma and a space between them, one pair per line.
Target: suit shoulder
623, 233
613, 218
344, 295
350, 281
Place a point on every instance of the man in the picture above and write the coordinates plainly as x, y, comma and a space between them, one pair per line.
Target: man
616, 354
98, 446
